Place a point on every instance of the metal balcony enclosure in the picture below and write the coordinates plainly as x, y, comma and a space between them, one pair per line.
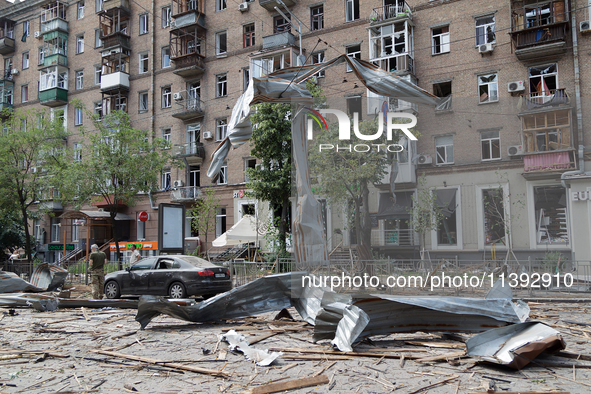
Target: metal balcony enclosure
279, 40
270, 5
187, 193
114, 80
6, 45
117, 39
191, 65
189, 108
6, 36
53, 25
549, 98
53, 97
113, 4
398, 9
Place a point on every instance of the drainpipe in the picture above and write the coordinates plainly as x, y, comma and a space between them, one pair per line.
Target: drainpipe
578, 109
153, 38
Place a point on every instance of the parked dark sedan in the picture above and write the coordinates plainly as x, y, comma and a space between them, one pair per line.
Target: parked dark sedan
174, 276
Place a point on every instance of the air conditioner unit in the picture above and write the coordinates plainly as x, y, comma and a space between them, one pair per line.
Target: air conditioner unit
585, 27
515, 150
485, 48
37, 34
425, 159
207, 135
172, 24
516, 86
177, 96
179, 183
243, 7
14, 71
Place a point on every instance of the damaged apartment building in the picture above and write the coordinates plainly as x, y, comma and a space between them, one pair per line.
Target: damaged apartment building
509, 132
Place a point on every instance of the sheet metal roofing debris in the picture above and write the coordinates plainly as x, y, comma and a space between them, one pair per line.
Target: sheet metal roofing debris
516, 345
44, 303
46, 277
237, 342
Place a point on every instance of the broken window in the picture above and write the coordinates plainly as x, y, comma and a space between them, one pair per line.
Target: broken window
485, 30
266, 65
280, 24
494, 216
444, 147
440, 39
488, 88
443, 90
354, 106
543, 81
447, 229
547, 131
388, 47
551, 213
354, 51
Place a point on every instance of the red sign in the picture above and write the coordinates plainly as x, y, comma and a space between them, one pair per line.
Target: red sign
143, 216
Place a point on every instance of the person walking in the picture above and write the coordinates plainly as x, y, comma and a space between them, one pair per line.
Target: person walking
97, 272
135, 255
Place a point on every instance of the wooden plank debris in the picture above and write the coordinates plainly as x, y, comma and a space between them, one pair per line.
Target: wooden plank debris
338, 353
290, 385
435, 384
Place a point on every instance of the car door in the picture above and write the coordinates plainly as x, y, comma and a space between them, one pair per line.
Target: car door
161, 276
136, 279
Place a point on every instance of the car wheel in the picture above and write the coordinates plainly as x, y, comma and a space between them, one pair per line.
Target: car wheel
112, 290
177, 290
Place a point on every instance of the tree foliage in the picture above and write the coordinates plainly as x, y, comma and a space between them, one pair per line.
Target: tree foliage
204, 212
425, 215
114, 164
30, 146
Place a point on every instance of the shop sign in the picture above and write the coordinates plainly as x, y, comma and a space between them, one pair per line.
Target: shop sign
143, 245
60, 246
580, 196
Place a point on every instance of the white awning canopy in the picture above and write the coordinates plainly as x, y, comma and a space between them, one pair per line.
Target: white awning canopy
246, 230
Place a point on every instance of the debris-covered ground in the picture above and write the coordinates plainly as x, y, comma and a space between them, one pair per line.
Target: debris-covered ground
103, 350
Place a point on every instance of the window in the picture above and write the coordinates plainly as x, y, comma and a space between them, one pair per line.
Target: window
165, 57
79, 79
195, 176
143, 24
166, 135
26, 29
141, 228
317, 18
440, 40
220, 221
165, 180
249, 164
222, 85
280, 24
223, 176
245, 78
248, 35
353, 51
443, 90
78, 116
97, 38
41, 55
78, 151
166, 16
80, 44
487, 88
53, 77
444, 147
318, 58
166, 97
543, 82
143, 101
220, 5
485, 30
55, 229
221, 45
490, 144
98, 5
447, 203
547, 131
494, 216
550, 215
220, 129
541, 14
80, 13
265, 65
97, 75
144, 63
8, 95
194, 92
8, 64
98, 109
25, 60
351, 10
24, 93
354, 106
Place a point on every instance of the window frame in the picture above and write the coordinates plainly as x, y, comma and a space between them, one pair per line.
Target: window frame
163, 56
221, 43
144, 57
40, 56
223, 174
281, 27
248, 37
98, 73
166, 97
98, 43
79, 44
446, 147
24, 93
79, 76
442, 44
356, 54
221, 85
354, 10
318, 58
221, 129
144, 21
459, 245
78, 116
533, 218
221, 5
484, 26
80, 10
166, 16
141, 95
486, 138
317, 19
488, 84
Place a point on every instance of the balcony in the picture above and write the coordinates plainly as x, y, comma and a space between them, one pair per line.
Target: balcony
56, 24
6, 45
188, 66
188, 109
399, 10
6, 75
114, 80
270, 5
402, 237
549, 98
56, 59
279, 40
117, 39
53, 97
113, 4
396, 64
550, 161
183, 194
188, 19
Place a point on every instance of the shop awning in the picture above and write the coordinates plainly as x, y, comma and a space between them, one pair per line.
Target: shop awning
244, 231
94, 215
446, 201
387, 209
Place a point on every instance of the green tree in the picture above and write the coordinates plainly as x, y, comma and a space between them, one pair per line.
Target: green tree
116, 163
30, 145
12, 235
204, 213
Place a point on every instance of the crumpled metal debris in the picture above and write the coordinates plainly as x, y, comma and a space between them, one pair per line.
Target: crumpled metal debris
238, 342
44, 303
515, 346
266, 294
45, 277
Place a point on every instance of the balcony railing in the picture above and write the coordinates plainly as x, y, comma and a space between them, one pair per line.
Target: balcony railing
6, 45
390, 11
115, 40
190, 149
191, 65
398, 63
550, 161
111, 4
539, 35
186, 193
53, 97
190, 108
279, 40
54, 24
404, 237
55, 60
114, 80
548, 98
